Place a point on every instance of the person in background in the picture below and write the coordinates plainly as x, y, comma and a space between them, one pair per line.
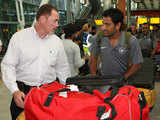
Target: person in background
35, 56
147, 42
94, 30
78, 38
84, 46
133, 30
156, 37
1, 45
156, 33
86, 29
148, 47
72, 49
62, 35
113, 50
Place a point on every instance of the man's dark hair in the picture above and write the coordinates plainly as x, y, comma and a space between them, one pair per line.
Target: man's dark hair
45, 9
69, 30
115, 14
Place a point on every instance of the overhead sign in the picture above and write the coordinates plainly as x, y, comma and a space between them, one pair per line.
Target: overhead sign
142, 20
98, 22
154, 20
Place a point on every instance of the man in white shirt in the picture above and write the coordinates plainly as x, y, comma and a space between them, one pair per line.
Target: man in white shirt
35, 56
72, 49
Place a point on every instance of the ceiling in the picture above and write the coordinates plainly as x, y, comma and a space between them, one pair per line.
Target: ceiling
147, 4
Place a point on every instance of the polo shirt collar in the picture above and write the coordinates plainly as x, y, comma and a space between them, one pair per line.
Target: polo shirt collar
120, 42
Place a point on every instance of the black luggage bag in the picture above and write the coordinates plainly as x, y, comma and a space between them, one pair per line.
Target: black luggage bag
89, 83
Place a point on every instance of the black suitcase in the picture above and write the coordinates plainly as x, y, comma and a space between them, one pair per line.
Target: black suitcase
144, 78
89, 83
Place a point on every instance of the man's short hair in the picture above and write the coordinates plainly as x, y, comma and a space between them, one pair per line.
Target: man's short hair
115, 14
69, 30
45, 9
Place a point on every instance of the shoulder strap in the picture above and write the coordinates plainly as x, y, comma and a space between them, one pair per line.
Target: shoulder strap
100, 35
128, 45
127, 39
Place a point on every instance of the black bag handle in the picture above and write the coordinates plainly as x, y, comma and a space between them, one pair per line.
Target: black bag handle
95, 80
101, 110
142, 102
107, 101
51, 95
113, 112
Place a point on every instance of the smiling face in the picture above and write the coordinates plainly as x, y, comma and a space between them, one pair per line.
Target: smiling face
109, 27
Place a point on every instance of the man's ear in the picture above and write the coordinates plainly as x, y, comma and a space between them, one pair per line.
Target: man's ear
118, 26
42, 19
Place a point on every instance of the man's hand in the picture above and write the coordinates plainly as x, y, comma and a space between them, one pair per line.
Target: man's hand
85, 57
18, 98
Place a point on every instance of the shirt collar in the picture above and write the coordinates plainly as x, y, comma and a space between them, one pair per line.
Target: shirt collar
35, 32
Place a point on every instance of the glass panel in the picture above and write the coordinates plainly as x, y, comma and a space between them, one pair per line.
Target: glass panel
8, 10
29, 13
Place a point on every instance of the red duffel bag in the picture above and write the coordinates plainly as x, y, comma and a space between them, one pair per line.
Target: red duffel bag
50, 103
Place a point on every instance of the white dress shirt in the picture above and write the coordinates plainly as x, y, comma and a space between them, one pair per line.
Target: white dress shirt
1, 42
33, 60
73, 54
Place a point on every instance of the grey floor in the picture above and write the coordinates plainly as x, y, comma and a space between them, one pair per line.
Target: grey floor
155, 114
5, 98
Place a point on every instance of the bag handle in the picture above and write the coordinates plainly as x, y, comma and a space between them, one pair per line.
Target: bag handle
51, 95
95, 80
107, 100
142, 102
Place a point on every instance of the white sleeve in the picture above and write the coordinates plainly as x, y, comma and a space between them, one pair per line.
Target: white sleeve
62, 66
1, 43
8, 65
77, 57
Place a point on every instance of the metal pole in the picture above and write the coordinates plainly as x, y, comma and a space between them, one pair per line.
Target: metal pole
107, 4
20, 13
77, 8
68, 11
128, 12
17, 10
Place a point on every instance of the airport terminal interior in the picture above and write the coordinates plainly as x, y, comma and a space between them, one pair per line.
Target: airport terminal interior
16, 15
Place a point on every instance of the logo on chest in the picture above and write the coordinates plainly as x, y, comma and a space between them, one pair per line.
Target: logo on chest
122, 50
